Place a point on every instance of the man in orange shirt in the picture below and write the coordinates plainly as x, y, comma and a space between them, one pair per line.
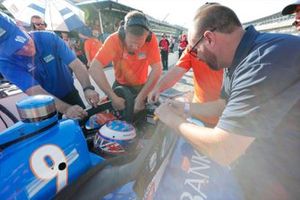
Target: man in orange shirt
131, 49
207, 83
92, 45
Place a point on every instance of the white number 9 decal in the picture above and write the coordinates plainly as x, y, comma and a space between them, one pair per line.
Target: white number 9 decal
48, 162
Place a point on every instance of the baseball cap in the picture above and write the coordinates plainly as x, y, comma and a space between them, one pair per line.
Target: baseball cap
291, 8
12, 38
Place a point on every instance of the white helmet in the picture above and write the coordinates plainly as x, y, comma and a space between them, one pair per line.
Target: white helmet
115, 137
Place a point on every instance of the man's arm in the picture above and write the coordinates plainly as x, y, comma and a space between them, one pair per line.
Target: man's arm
97, 73
151, 82
221, 146
62, 107
81, 72
207, 109
167, 81
82, 75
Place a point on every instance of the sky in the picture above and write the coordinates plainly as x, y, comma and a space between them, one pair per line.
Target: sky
181, 12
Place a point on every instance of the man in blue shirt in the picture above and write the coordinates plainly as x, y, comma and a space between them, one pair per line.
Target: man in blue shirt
258, 134
38, 64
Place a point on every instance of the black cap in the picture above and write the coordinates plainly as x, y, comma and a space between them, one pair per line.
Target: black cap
291, 8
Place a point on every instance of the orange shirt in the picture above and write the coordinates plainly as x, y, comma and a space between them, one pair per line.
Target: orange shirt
92, 45
129, 69
207, 82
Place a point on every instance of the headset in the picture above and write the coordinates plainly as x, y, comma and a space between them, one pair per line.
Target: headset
134, 20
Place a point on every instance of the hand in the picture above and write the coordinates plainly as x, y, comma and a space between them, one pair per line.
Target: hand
167, 115
92, 97
139, 105
118, 103
177, 106
75, 112
153, 96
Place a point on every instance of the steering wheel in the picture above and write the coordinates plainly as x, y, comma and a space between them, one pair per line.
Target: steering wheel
125, 93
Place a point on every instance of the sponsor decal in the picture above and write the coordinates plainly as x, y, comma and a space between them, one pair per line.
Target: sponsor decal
197, 170
163, 148
153, 161
20, 39
48, 58
141, 55
30, 67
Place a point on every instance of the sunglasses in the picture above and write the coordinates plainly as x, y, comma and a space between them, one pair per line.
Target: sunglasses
193, 50
39, 24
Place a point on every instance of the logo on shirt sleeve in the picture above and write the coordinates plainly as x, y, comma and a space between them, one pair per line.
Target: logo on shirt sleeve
48, 58
20, 39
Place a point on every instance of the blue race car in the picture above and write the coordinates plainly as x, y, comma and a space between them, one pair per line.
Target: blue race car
40, 155
124, 157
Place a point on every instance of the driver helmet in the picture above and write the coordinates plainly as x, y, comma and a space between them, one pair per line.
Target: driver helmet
115, 137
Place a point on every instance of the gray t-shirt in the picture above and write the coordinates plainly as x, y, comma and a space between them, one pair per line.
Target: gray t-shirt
262, 93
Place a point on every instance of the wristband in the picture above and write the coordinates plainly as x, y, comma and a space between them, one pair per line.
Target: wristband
186, 109
90, 87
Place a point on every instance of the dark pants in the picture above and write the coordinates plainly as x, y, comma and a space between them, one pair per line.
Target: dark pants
172, 48
164, 59
180, 52
133, 89
72, 98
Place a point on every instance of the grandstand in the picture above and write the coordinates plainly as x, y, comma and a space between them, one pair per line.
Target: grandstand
275, 23
107, 14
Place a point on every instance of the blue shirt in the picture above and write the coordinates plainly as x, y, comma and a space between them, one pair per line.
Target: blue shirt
262, 92
48, 68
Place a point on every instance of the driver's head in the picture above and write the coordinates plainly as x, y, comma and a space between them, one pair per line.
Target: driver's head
13, 40
136, 28
293, 8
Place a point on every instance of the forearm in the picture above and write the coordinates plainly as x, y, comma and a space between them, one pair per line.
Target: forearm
151, 82
60, 105
98, 74
221, 146
207, 109
200, 137
170, 78
81, 73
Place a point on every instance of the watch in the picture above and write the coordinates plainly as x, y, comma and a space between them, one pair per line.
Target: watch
90, 87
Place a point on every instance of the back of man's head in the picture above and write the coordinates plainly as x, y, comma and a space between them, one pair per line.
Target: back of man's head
215, 16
